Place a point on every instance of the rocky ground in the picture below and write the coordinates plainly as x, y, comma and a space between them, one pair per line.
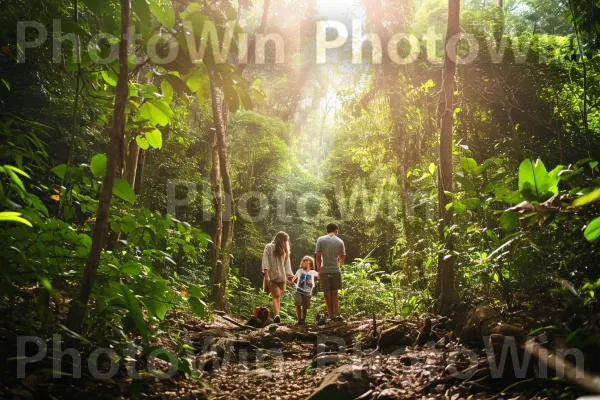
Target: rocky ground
356, 360
407, 359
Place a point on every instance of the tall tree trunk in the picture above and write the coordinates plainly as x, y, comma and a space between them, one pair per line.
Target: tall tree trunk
218, 222
445, 282
131, 164
79, 305
499, 23
224, 207
220, 271
139, 176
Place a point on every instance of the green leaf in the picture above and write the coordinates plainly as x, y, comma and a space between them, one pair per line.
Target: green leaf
164, 107
432, 168
197, 21
133, 305
167, 90
194, 291
177, 84
232, 98
472, 203
164, 14
586, 199
468, 164
123, 190
15, 178
155, 116
466, 184
9, 216
110, 78
198, 306
142, 142
60, 170
142, 11
17, 170
198, 81
157, 308
458, 207
154, 138
245, 98
509, 220
100, 8
535, 183
592, 232
98, 165
131, 269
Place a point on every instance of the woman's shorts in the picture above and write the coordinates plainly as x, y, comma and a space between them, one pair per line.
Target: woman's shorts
280, 285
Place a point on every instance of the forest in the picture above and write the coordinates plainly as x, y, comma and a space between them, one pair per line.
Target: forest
429, 167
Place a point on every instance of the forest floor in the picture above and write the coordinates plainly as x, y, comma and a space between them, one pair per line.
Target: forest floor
343, 360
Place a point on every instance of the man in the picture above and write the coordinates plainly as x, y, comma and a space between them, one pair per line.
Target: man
331, 255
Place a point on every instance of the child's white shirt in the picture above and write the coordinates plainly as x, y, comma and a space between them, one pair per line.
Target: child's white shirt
305, 281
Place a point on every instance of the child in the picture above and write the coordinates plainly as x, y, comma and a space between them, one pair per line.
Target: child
306, 282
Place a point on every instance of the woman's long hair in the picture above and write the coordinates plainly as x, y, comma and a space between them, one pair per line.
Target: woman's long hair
281, 242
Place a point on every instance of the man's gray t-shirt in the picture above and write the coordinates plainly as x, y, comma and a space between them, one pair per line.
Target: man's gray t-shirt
332, 247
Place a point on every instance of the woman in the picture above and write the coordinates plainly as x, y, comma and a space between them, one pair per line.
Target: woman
277, 269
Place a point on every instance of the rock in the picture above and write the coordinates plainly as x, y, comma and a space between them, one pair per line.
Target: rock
323, 360
260, 372
331, 347
485, 321
441, 344
227, 349
393, 338
344, 383
391, 394
409, 360
208, 361
424, 334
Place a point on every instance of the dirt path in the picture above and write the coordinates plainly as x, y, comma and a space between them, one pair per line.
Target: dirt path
294, 362
280, 362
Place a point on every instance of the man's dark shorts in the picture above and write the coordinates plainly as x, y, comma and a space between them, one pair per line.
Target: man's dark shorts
330, 281
302, 300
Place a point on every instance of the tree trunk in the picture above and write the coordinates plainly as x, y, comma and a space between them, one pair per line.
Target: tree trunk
131, 164
139, 176
79, 305
219, 283
224, 208
218, 222
445, 282
499, 23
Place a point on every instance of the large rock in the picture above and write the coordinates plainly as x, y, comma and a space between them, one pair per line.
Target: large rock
485, 321
344, 383
394, 338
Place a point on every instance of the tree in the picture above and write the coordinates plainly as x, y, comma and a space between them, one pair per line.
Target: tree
445, 277
225, 211
79, 306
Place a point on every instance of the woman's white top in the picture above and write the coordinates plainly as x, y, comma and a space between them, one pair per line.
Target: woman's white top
279, 270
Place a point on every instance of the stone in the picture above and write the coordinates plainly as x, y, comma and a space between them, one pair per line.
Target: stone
394, 338
391, 394
344, 383
323, 360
